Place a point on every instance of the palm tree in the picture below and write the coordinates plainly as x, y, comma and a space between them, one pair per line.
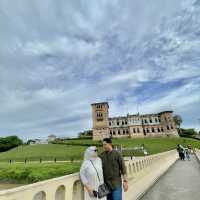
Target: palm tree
178, 120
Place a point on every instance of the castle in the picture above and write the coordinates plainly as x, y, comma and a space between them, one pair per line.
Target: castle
148, 125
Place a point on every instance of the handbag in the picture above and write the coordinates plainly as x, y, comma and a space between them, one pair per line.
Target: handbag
103, 189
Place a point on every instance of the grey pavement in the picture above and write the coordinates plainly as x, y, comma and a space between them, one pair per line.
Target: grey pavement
181, 182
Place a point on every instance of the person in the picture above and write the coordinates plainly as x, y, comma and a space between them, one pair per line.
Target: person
187, 153
181, 152
91, 165
145, 152
114, 170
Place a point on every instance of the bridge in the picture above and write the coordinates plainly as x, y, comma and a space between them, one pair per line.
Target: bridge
154, 177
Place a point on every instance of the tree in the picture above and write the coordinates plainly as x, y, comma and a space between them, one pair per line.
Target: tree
87, 133
178, 120
9, 143
188, 132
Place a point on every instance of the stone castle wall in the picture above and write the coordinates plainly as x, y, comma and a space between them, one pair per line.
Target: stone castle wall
132, 126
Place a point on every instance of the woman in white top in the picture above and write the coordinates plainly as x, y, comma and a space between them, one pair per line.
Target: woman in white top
88, 173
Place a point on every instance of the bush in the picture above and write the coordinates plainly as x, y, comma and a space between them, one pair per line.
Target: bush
188, 133
10, 142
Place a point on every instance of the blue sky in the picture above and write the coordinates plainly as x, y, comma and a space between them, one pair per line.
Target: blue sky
58, 57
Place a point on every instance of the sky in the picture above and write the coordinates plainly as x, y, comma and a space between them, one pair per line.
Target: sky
58, 57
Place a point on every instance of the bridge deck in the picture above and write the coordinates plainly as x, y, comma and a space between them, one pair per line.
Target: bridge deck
181, 182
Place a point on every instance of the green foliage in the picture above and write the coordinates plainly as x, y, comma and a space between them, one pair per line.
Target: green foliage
188, 133
178, 121
85, 134
9, 142
33, 172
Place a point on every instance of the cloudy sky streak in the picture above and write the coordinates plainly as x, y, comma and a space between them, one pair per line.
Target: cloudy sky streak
58, 57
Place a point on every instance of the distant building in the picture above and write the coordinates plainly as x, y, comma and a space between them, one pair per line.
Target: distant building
38, 141
51, 138
148, 125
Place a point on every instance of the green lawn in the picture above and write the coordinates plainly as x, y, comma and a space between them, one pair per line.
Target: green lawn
153, 145
43, 151
82, 142
33, 172
157, 145
76, 151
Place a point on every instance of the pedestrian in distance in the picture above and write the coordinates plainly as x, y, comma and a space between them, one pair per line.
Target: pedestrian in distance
187, 154
181, 152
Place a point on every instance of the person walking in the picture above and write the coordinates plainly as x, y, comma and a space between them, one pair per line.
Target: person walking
91, 174
114, 170
181, 152
187, 154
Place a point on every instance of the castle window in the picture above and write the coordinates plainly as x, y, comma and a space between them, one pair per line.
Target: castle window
172, 127
124, 132
145, 121
122, 123
147, 130
126, 122
158, 129
110, 132
156, 120
127, 131
133, 130
159, 120
113, 132
119, 132
109, 123
150, 120
167, 127
152, 130
99, 116
117, 123
162, 129
138, 130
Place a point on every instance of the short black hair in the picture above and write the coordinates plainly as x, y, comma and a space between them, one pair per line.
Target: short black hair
107, 140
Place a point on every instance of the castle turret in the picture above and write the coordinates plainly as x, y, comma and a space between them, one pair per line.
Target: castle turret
100, 113
167, 123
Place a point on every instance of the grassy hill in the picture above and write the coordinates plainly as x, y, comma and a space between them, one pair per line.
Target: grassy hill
43, 151
74, 149
70, 150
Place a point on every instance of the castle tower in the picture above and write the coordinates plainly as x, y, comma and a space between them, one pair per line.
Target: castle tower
100, 114
167, 122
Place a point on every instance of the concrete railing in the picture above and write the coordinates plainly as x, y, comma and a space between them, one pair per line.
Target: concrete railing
197, 153
142, 173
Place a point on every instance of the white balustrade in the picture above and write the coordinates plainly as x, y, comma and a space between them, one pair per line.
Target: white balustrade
70, 188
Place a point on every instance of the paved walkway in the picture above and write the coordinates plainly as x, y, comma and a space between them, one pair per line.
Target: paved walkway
181, 182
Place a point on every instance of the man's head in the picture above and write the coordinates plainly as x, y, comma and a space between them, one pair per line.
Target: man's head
107, 144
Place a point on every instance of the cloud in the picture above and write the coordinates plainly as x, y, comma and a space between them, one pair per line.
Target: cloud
56, 58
